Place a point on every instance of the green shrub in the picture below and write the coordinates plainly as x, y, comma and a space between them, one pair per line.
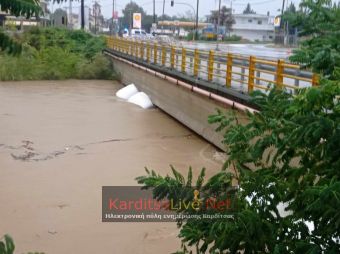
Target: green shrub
7, 245
54, 53
99, 68
232, 38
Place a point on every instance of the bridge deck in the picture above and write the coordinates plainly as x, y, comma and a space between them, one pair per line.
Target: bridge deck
239, 73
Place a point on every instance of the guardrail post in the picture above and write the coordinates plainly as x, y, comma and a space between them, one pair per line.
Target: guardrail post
142, 51
148, 53
196, 62
211, 65
184, 59
315, 79
258, 75
243, 70
135, 49
251, 72
155, 52
132, 48
279, 73
172, 57
229, 69
163, 55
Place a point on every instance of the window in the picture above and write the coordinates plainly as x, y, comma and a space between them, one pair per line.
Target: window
137, 32
250, 20
259, 22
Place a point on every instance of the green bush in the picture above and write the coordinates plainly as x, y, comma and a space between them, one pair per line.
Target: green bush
232, 38
54, 53
7, 245
99, 68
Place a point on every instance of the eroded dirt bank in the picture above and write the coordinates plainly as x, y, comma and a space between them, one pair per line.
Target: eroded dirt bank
60, 142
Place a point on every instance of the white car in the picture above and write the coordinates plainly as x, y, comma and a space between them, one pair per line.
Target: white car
138, 32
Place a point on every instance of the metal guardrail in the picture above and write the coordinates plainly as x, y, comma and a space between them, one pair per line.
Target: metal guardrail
241, 73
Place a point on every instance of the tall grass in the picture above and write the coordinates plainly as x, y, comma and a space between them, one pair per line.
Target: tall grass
54, 53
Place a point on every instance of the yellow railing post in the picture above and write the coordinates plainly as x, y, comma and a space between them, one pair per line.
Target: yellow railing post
163, 55
211, 65
172, 57
131, 48
196, 62
148, 53
229, 69
155, 52
315, 79
184, 59
128, 47
142, 51
136, 49
251, 76
279, 73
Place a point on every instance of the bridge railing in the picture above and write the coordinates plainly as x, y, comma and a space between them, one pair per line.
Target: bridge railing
239, 72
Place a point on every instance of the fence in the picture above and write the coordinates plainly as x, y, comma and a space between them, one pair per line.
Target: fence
239, 72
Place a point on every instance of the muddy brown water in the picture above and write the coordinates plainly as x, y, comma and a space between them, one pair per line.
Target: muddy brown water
60, 142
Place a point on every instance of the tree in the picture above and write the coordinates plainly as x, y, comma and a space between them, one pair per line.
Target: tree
248, 10
289, 15
286, 163
188, 16
226, 18
319, 25
27, 8
128, 11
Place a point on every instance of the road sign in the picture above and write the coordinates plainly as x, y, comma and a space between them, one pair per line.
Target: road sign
115, 15
137, 20
277, 21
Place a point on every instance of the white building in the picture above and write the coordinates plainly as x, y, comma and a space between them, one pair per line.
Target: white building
253, 27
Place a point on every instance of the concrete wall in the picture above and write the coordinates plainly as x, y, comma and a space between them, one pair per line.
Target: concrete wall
188, 107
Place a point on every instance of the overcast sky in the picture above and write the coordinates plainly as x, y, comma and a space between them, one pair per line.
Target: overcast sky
260, 6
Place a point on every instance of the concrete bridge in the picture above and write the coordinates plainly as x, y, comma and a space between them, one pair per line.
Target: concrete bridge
190, 85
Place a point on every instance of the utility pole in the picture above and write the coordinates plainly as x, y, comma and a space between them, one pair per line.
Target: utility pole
113, 16
95, 17
130, 16
218, 23
163, 16
284, 25
154, 11
82, 13
196, 32
70, 14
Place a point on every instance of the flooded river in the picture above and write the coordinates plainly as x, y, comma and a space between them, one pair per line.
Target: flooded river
60, 142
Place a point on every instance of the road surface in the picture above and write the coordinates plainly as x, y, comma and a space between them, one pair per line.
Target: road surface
259, 50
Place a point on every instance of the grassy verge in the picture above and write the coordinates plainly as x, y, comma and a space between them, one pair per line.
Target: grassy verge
53, 53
